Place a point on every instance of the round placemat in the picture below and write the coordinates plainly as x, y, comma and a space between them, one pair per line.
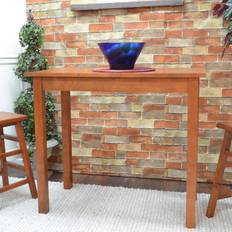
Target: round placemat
136, 69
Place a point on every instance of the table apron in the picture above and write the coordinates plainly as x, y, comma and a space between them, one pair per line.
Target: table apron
128, 85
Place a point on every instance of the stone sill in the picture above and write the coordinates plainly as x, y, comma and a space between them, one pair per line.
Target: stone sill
77, 5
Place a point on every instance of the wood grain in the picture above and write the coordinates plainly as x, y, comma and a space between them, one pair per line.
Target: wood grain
161, 81
41, 145
84, 73
217, 189
66, 139
193, 114
26, 160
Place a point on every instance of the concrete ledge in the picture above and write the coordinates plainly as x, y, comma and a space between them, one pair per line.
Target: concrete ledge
77, 5
8, 60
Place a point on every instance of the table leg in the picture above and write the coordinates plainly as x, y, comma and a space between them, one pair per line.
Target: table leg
66, 139
193, 118
41, 145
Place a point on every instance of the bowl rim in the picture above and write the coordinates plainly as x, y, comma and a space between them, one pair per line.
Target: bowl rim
142, 43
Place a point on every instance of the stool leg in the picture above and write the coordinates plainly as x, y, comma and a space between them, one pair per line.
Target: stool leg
218, 175
26, 160
3, 162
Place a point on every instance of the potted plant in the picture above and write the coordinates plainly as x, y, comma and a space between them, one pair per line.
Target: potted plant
224, 9
31, 38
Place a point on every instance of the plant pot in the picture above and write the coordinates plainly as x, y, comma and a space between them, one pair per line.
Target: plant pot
50, 145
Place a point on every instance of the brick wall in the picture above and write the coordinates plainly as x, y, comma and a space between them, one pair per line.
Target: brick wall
120, 134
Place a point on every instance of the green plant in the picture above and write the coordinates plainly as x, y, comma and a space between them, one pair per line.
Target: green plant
225, 9
31, 37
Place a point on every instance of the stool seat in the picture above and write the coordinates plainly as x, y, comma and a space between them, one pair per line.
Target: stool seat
225, 126
11, 118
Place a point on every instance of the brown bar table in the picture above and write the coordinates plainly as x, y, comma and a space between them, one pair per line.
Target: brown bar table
76, 79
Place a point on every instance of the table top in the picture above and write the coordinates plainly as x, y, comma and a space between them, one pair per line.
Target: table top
89, 73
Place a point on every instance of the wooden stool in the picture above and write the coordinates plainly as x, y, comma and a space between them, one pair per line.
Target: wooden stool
219, 191
11, 119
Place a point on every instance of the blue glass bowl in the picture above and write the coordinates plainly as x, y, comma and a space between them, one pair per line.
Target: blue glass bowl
121, 56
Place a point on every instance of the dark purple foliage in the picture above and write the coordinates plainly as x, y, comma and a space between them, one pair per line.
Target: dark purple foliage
219, 9
227, 42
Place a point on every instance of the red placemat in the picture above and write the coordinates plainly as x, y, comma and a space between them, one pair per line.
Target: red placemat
136, 69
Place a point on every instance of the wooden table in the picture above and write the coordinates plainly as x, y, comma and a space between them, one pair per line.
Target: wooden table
73, 79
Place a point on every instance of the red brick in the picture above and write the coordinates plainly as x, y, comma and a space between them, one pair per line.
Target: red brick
132, 162
109, 146
130, 99
207, 125
65, 4
128, 131
172, 51
66, 37
137, 154
48, 52
46, 22
76, 44
116, 123
109, 131
79, 121
195, 33
154, 171
148, 16
37, 1
227, 92
141, 139
91, 137
49, 38
173, 117
88, 51
166, 59
196, 15
166, 124
219, 117
208, 41
154, 42
155, 147
107, 19
173, 165
158, 155
179, 24
54, 29
50, 60
173, 100
79, 60
79, 106
95, 122
157, 24
177, 156
100, 27
92, 114
221, 74
174, 34
139, 25
82, 168
152, 107
103, 154
174, 16
204, 58
209, 109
